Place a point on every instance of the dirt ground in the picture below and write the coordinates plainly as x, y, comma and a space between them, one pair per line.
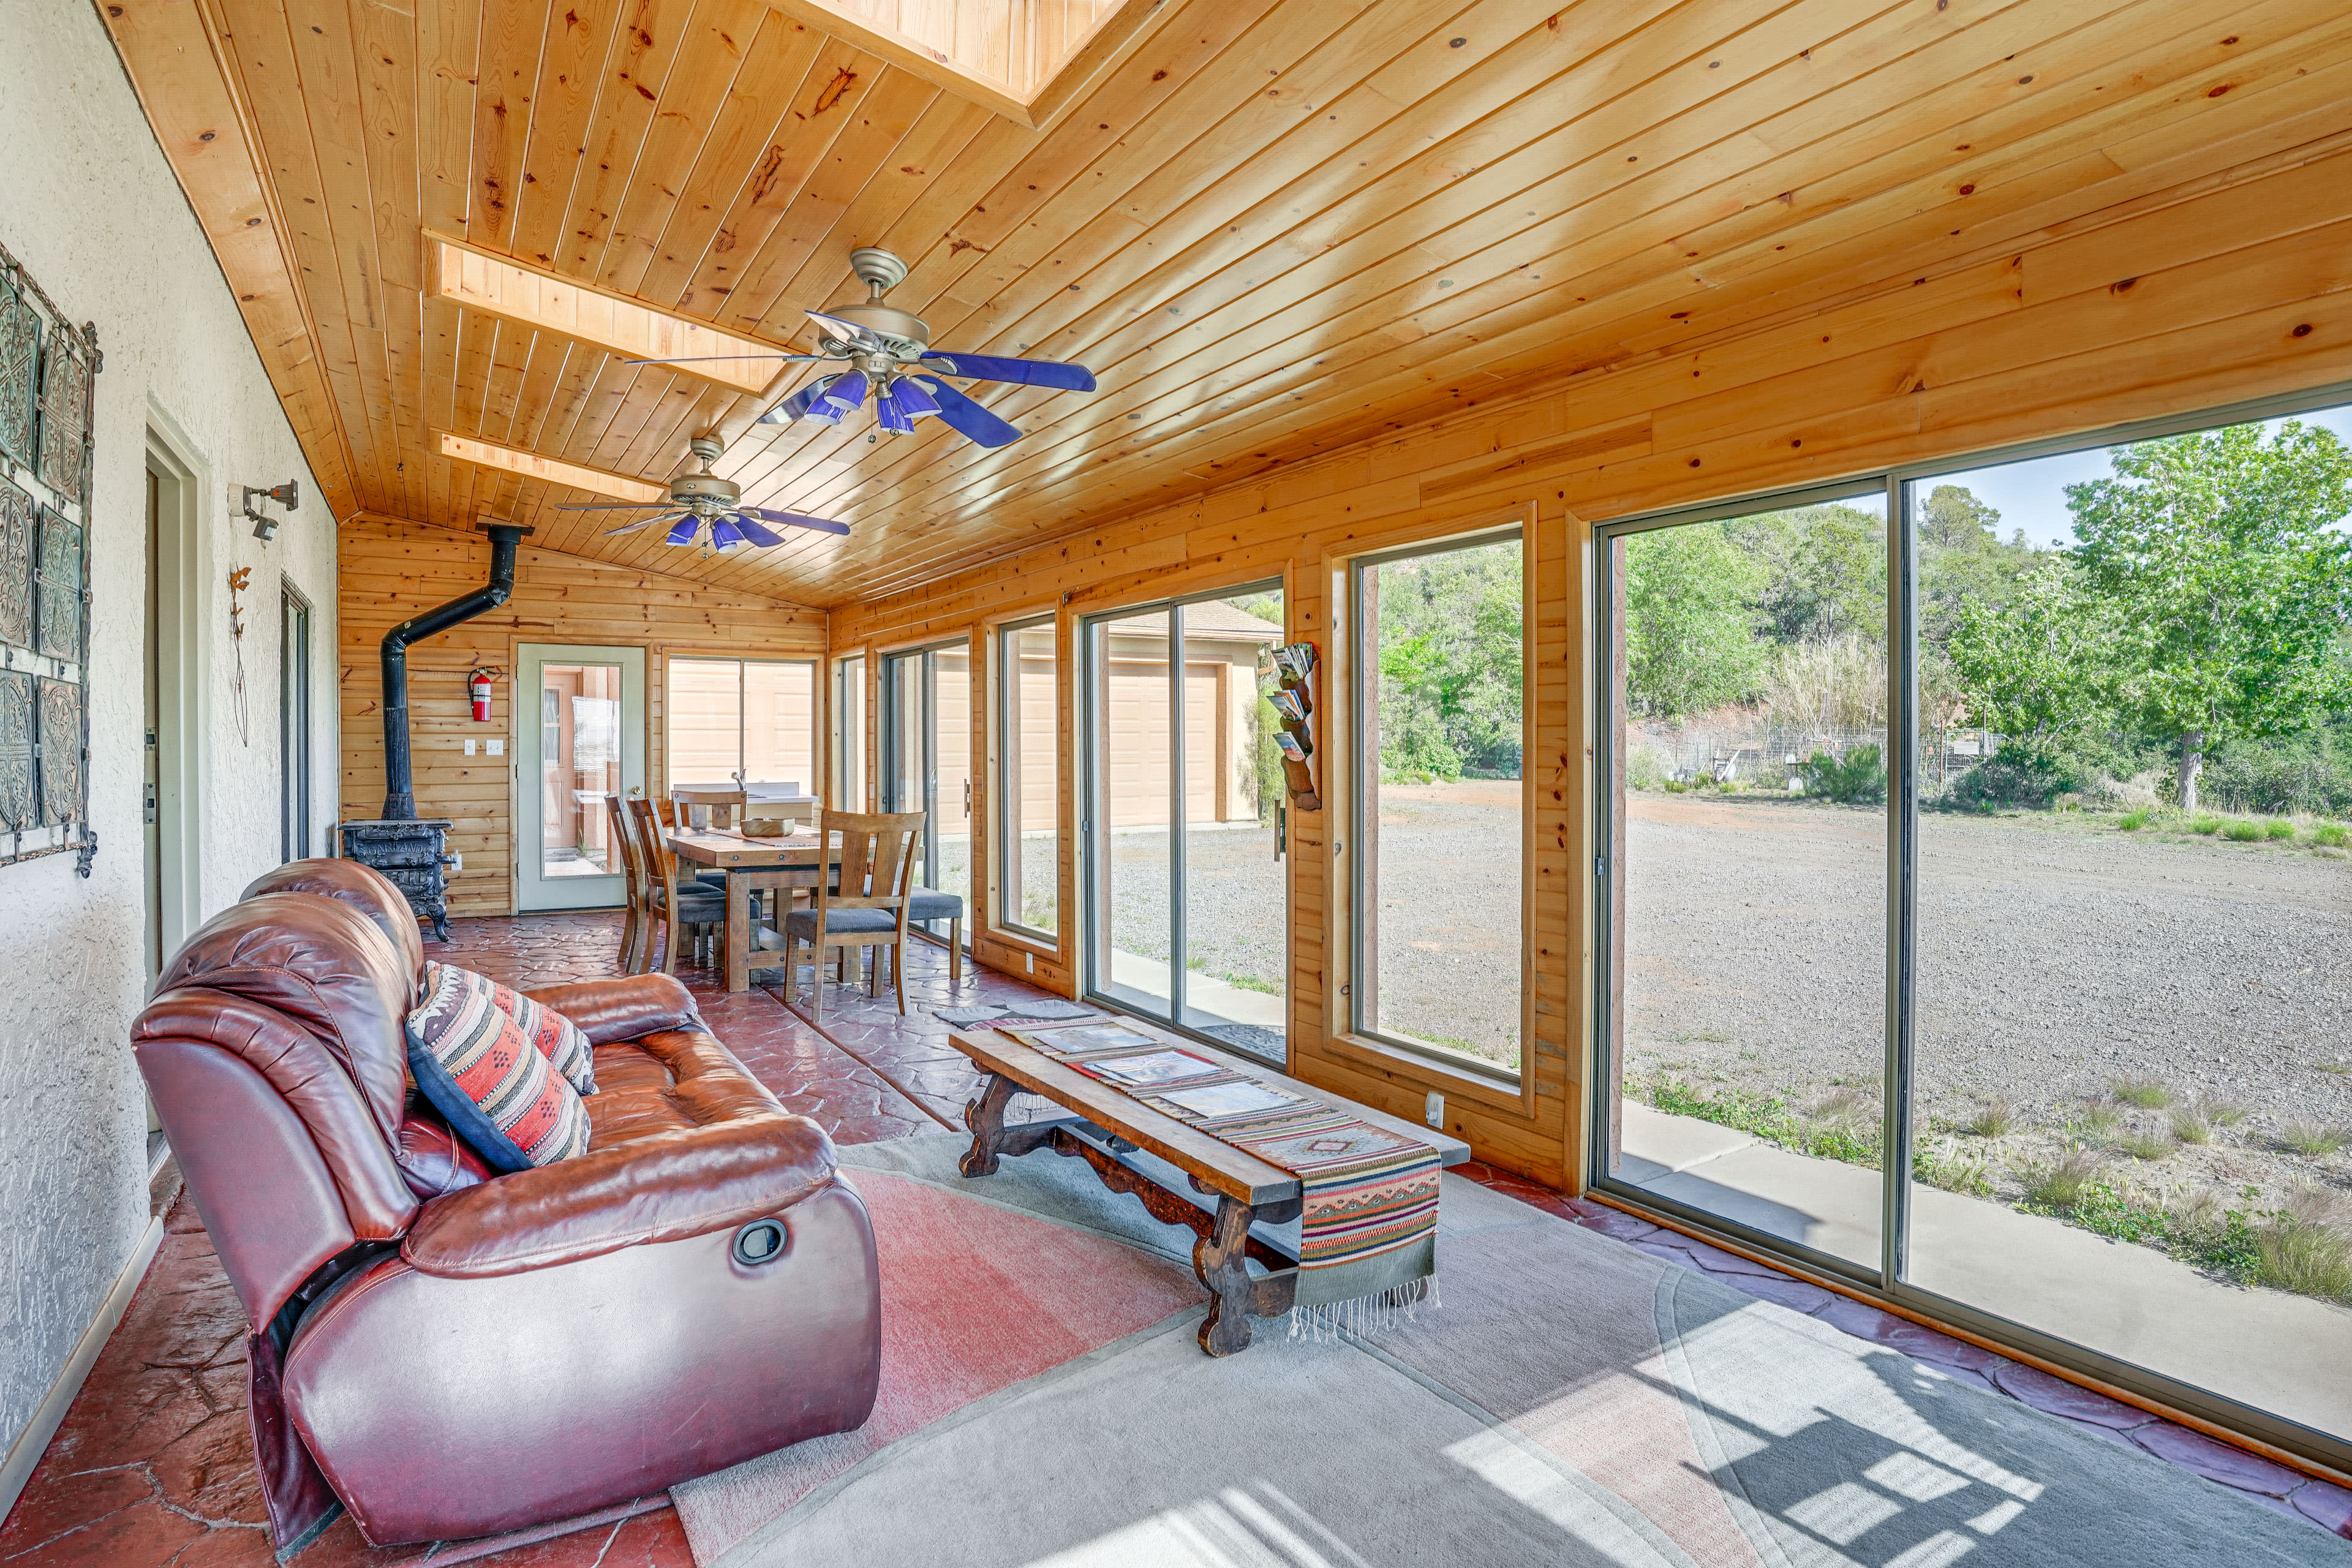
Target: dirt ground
2057, 955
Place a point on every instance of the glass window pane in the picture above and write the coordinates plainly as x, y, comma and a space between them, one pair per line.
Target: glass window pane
2134, 1080
1748, 872
580, 764
779, 729
1032, 787
1439, 841
703, 719
1237, 898
1134, 759
952, 795
849, 702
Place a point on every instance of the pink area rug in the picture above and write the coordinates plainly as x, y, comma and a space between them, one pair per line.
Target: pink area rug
975, 1298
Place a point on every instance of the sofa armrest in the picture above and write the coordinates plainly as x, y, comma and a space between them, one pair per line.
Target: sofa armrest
661, 1188
623, 1008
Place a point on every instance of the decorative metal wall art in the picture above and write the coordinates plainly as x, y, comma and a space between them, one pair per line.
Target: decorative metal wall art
48, 367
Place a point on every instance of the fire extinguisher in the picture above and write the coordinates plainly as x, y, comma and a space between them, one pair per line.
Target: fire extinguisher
479, 684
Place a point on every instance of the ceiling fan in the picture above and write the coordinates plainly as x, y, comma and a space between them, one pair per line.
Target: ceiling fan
704, 499
890, 354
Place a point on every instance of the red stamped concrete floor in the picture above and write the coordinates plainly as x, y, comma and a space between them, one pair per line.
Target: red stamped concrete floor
153, 1464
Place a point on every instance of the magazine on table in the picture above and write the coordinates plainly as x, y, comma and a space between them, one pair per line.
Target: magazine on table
1230, 1099
1158, 1067
1083, 1037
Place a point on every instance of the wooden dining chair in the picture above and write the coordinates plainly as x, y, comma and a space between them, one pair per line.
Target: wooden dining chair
669, 907
636, 925
865, 906
721, 809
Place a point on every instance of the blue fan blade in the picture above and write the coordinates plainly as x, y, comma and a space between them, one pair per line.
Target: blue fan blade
821, 524
891, 414
1020, 372
913, 401
845, 394
687, 527
803, 404
616, 505
724, 534
756, 532
968, 419
706, 359
642, 523
847, 332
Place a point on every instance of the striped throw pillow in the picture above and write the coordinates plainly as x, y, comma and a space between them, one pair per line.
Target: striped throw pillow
487, 1078
559, 1039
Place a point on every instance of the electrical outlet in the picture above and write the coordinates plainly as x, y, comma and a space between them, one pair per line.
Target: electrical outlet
498, 748
1434, 1111
469, 745
1029, 961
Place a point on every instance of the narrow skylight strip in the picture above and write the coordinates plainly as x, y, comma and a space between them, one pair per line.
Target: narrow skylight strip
614, 322
554, 470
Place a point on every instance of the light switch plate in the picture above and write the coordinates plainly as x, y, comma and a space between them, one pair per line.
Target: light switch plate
498, 748
469, 745
1434, 1111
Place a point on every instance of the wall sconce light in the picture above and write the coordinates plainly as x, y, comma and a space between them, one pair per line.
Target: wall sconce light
287, 495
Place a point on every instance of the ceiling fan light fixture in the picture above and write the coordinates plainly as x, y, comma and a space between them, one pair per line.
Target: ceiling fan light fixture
683, 530
912, 400
843, 395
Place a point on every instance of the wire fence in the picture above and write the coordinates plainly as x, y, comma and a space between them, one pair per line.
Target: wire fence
1767, 756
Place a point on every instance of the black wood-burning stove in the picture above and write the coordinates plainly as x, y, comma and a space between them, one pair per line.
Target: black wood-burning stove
413, 850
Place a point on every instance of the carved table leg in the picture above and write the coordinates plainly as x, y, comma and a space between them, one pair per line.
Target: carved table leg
985, 1116
1221, 1259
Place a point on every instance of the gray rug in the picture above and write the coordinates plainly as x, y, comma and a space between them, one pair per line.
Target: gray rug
1572, 1401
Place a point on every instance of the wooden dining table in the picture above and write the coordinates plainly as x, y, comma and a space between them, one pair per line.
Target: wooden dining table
752, 865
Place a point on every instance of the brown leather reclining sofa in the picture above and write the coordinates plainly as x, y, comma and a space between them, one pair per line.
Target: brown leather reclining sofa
455, 1353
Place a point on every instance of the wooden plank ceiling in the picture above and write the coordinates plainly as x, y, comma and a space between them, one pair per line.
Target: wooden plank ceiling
1269, 226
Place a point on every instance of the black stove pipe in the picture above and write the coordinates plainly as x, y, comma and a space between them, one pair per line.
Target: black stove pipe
399, 774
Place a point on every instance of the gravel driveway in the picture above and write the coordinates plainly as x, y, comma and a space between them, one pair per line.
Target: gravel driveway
2056, 955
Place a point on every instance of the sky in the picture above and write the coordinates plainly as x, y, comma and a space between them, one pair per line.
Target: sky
2031, 496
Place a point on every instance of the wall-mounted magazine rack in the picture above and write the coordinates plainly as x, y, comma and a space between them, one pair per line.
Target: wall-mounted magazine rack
1294, 702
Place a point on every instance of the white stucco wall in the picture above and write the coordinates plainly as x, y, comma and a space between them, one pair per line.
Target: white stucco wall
91, 208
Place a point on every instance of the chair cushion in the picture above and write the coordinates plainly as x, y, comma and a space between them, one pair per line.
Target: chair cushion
930, 905
694, 904
800, 924
487, 1077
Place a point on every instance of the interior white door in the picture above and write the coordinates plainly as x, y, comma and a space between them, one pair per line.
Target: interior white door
580, 736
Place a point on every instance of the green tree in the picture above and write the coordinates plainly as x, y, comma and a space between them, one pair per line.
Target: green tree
1690, 620
1452, 658
1963, 561
2219, 556
2040, 669
1824, 570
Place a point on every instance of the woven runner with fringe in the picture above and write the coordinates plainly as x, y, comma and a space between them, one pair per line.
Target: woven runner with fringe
1368, 1223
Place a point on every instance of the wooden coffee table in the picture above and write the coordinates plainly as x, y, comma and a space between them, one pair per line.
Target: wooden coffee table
1182, 1175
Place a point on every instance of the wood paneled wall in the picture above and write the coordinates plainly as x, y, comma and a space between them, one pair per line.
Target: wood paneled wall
2237, 286
390, 571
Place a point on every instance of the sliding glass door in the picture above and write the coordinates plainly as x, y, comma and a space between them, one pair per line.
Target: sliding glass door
1974, 899
1187, 912
1029, 778
925, 729
848, 791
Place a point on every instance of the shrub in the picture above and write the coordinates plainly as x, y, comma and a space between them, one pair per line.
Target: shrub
2145, 1145
2148, 1093
2060, 1180
2304, 1247
2278, 827
1858, 777
1993, 1118
2099, 1122
2301, 1135
2205, 824
2243, 833
1644, 769
2332, 834
2134, 820
1954, 1173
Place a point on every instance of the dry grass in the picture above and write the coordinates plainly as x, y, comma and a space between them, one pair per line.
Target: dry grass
2305, 1248
2304, 1135
2148, 1093
2142, 1144
1993, 1118
2058, 1181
